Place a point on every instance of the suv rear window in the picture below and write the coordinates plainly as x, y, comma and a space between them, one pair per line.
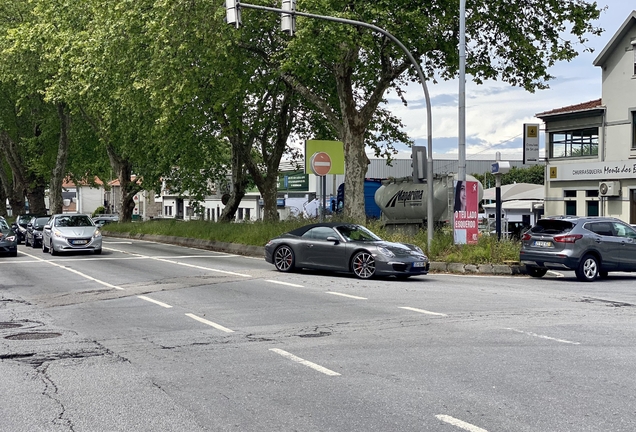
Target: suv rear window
552, 226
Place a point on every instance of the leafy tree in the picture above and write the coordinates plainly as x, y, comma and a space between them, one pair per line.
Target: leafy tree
344, 71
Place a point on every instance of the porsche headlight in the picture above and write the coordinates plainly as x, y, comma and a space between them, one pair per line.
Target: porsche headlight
9, 238
386, 252
419, 250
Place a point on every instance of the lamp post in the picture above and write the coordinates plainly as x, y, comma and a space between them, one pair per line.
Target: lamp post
233, 17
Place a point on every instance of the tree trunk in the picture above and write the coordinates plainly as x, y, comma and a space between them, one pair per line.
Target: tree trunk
59, 172
357, 163
14, 189
3, 191
239, 183
35, 195
128, 186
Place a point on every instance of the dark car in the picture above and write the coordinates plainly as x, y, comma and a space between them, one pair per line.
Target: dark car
20, 226
34, 231
345, 247
8, 239
591, 246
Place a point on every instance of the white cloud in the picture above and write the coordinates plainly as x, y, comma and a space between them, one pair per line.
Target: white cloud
495, 111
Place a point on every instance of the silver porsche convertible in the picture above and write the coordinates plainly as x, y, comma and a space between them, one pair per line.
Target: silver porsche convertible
345, 247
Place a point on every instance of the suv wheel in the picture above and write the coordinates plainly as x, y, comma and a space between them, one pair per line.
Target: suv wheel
588, 269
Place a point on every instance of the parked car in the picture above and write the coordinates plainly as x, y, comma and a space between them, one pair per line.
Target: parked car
345, 247
100, 221
20, 226
71, 232
591, 246
34, 230
8, 239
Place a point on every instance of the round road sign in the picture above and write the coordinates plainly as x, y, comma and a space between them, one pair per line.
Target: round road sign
320, 163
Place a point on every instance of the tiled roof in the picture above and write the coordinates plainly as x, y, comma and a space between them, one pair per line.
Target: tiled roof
593, 104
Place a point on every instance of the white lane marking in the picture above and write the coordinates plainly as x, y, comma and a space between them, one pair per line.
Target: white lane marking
304, 362
543, 336
154, 301
202, 268
117, 242
284, 283
422, 311
346, 295
106, 284
460, 424
210, 323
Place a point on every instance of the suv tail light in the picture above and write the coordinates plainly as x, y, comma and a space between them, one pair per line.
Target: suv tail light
567, 238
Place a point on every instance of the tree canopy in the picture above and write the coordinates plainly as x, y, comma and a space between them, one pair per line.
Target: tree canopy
166, 90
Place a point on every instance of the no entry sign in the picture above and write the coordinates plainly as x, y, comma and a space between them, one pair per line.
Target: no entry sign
320, 163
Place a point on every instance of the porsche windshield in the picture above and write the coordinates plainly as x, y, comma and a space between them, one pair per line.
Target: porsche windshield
357, 233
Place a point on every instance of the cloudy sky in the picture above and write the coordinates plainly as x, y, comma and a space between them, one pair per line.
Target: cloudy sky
495, 111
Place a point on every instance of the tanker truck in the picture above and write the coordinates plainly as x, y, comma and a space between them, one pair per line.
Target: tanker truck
404, 204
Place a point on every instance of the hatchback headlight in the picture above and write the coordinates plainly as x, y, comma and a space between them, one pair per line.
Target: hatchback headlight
9, 238
97, 234
59, 234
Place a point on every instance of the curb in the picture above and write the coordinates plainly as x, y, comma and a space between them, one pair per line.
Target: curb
259, 251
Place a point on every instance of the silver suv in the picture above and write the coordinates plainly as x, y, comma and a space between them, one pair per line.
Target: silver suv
591, 246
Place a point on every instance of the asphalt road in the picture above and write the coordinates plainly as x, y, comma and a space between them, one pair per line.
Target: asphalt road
153, 337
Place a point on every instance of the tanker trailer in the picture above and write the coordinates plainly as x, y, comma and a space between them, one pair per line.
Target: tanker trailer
404, 203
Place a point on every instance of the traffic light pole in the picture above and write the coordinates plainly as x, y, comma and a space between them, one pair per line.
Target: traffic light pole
236, 5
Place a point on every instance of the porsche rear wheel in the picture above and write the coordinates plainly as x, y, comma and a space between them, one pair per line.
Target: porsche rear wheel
284, 259
363, 265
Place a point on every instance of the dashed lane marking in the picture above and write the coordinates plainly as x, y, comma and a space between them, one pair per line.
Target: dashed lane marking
284, 283
304, 362
422, 311
346, 295
154, 301
543, 336
459, 423
210, 323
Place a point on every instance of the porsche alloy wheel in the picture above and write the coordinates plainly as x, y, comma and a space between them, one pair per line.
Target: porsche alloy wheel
363, 265
284, 259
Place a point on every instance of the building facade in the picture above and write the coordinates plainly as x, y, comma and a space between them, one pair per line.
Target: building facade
591, 147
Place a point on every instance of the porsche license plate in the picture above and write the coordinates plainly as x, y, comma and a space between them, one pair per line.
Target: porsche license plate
79, 242
418, 264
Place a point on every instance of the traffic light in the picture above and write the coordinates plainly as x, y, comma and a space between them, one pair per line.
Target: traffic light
418, 162
233, 13
288, 21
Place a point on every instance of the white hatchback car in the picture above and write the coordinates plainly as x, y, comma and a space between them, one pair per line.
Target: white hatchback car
71, 232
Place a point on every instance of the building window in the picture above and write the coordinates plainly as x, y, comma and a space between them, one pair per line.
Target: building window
247, 214
570, 208
569, 193
592, 208
592, 193
240, 214
633, 130
577, 143
167, 210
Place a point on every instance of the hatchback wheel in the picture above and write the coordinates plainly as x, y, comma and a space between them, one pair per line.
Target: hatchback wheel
588, 269
284, 259
363, 265
536, 271
44, 248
